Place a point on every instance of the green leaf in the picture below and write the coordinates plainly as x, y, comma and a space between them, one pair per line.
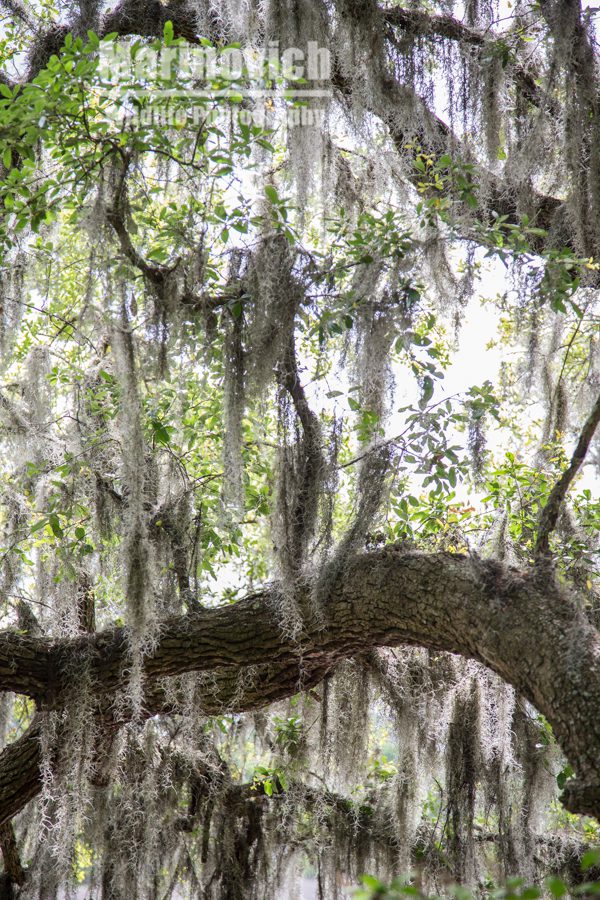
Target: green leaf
590, 858
161, 433
427, 391
271, 193
371, 882
564, 775
37, 526
168, 33
576, 309
556, 886
54, 523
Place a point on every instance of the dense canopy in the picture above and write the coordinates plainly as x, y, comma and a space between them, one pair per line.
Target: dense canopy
298, 565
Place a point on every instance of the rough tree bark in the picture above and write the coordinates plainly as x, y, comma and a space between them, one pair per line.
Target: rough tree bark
519, 623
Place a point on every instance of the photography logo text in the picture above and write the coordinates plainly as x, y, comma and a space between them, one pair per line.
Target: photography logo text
170, 85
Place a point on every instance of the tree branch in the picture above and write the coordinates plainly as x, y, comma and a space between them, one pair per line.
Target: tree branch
312, 461
417, 124
25, 664
14, 872
19, 11
20, 777
156, 275
551, 510
419, 23
147, 18
516, 623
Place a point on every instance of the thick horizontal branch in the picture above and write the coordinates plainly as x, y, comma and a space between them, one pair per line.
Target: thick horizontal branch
518, 624
227, 689
524, 629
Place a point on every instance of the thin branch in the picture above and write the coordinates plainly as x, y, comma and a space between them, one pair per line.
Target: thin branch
115, 216
312, 463
551, 510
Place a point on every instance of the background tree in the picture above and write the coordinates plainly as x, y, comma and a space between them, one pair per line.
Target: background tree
266, 595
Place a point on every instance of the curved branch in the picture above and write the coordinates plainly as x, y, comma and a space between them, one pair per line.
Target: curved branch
526, 631
156, 275
518, 624
312, 460
418, 124
551, 510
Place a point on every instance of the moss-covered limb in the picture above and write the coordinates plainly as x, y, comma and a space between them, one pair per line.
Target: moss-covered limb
434, 135
551, 510
420, 126
20, 774
575, 55
523, 628
228, 689
25, 665
13, 869
155, 274
418, 23
148, 18
310, 464
516, 623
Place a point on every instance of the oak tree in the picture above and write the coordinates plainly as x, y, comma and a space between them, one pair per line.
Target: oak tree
267, 595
